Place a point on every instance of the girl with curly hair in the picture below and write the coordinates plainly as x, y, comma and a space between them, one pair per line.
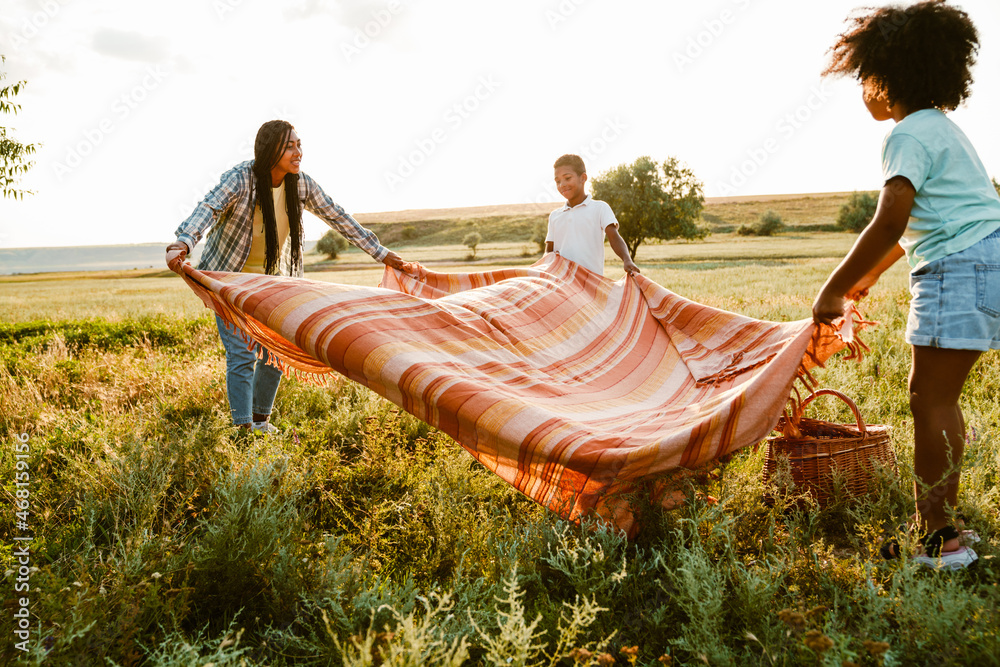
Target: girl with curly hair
939, 209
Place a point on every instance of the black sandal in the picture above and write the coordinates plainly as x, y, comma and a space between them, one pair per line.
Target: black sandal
890, 550
931, 543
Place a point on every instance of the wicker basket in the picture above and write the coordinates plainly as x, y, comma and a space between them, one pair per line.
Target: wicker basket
823, 446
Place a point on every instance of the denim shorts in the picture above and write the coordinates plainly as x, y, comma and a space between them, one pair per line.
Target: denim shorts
955, 300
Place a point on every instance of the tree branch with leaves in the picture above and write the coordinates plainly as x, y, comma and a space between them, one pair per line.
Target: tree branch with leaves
14, 162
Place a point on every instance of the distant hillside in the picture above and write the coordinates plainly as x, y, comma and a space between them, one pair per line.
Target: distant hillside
429, 227
516, 223
417, 215
82, 258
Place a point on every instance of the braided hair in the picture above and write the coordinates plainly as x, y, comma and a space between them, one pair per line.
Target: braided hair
920, 56
268, 148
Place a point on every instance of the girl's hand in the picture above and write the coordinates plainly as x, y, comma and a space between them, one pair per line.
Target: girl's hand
860, 289
827, 307
630, 267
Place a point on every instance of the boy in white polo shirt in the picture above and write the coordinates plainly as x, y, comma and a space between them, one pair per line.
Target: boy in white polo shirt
578, 229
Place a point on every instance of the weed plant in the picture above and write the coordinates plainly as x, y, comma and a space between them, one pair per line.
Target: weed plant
361, 536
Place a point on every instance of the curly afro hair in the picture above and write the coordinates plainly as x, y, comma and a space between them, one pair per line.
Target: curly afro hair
919, 56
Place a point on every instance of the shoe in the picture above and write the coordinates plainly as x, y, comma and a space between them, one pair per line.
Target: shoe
265, 428
949, 560
965, 535
968, 536
931, 543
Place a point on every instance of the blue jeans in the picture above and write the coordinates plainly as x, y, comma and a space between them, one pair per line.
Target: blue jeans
251, 383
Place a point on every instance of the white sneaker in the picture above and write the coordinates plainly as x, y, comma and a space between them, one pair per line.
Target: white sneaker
265, 428
949, 560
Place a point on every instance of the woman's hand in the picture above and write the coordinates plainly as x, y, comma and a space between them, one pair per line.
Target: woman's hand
630, 267
394, 261
176, 254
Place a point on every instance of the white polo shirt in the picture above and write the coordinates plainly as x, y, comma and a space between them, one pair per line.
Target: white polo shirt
577, 232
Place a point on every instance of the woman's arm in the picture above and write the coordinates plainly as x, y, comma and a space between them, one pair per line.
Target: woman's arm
233, 185
871, 251
333, 214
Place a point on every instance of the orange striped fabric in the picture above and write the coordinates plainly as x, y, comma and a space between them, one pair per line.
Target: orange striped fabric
577, 390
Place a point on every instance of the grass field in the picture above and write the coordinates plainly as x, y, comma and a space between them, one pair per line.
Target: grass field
361, 536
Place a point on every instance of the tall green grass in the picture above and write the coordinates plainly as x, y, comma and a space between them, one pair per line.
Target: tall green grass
361, 536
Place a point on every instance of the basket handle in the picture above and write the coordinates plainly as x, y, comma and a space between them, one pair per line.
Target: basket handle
833, 392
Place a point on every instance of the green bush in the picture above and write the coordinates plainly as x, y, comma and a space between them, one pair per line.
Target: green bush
859, 210
331, 244
768, 224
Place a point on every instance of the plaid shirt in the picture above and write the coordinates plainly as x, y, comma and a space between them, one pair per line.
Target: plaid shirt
229, 209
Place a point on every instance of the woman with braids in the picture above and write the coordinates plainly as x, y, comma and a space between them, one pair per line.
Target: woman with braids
938, 208
255, 214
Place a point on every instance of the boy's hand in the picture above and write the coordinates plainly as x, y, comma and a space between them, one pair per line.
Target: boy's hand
630, 267
827, 307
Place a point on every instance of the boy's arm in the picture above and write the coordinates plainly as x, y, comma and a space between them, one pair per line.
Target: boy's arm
870, 252
621, 248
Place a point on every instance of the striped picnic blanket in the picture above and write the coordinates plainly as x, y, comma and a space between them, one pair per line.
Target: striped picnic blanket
577, 390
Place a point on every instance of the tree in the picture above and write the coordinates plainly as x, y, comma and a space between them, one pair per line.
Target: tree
650, 200
471, 240
859, 210
331, 244
13, 154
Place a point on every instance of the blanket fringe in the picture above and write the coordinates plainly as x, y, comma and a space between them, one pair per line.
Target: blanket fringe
254, 333
847, 336
731, 372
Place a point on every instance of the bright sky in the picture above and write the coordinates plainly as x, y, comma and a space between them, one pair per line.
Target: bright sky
403, 104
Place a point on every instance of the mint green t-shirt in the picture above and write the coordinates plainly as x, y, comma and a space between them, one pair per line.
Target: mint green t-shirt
956, 204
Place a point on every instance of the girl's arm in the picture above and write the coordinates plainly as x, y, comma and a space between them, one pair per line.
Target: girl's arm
860, 289
621, 248
872, 249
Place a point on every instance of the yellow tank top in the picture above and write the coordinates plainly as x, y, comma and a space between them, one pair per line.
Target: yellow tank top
255, 262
